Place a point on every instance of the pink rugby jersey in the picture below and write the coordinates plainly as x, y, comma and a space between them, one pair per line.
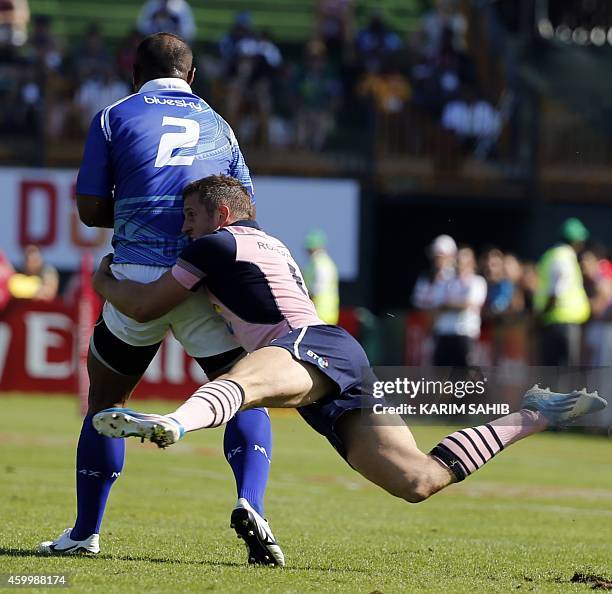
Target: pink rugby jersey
252, 280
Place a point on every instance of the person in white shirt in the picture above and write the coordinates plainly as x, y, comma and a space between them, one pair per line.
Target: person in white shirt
458, 323
428, 289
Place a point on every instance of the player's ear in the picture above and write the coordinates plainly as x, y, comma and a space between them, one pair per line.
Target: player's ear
191, 75
136, 78
224, 215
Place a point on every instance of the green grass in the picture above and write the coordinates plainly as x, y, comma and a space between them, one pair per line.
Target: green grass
527, 522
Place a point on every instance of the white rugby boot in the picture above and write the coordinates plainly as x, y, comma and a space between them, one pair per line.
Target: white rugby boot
64, 545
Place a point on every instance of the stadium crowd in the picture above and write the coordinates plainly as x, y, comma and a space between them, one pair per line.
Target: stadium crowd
303, 98
563, 302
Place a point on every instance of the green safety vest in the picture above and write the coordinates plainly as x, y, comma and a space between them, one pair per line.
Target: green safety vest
326, 299
572, 305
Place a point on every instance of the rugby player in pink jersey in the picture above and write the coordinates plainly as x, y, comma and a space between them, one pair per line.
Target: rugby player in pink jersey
298, 361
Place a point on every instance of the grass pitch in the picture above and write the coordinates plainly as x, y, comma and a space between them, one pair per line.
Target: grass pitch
529, 521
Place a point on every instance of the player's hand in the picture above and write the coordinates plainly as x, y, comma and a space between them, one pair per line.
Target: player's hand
105, 264
103, 274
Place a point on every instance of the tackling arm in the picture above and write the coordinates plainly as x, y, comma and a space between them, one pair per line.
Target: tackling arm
142, 302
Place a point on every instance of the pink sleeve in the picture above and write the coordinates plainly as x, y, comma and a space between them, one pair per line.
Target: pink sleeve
186, 274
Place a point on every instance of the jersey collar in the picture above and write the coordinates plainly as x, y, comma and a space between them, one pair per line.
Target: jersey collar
165, 84
245, 223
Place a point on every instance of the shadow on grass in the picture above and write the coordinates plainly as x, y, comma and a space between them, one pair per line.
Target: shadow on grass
7, 552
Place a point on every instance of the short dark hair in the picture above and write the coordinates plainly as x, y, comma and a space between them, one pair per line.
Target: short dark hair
215, 190
162, 55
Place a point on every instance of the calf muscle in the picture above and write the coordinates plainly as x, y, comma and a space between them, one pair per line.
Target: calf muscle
106, 387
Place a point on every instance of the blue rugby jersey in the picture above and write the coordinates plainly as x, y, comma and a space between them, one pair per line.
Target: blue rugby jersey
142, 151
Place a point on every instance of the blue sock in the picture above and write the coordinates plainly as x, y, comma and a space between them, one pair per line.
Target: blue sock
99, 463
248, 449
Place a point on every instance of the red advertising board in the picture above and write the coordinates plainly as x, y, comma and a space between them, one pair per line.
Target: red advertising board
39, 353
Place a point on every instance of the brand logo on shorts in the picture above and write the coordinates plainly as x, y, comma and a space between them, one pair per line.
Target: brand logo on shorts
322, 362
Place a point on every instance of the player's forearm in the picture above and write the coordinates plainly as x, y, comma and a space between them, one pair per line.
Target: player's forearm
131, 298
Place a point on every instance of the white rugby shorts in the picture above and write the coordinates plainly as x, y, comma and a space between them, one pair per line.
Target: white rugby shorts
194, 323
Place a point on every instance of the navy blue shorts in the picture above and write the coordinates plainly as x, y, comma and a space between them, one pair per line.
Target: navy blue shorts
340, 357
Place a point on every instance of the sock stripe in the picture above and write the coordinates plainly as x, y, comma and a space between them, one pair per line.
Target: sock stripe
229, 392
460, 450
476, 448
450, 460
212, 405
484, 441
499, 443
222, 397
240, 392
452, 439
468, 447
215, 410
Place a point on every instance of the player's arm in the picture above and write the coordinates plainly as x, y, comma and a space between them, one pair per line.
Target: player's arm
95, 211
238, 167
142, 302
94, 188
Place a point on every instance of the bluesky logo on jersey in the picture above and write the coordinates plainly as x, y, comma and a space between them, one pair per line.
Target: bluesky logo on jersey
173, 102
322, 362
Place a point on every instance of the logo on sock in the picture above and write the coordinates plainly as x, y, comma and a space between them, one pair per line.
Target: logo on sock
233, 452
94, 473
261, 449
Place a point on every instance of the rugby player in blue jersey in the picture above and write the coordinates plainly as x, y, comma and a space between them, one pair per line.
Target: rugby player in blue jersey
299, 361
140, 153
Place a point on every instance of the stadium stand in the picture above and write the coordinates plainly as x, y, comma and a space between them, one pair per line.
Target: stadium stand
287, 20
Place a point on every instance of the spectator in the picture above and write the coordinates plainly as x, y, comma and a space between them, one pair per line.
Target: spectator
249, 100
428, 290
14, 19
471, 117
599, 291
334, 25
445, 16
169, 16
92, 57
529, 284
458, 323
561, 301
439, 78
43, 46
376, 43
6, 273
37, 280
500, 289
389, 89
318, 90
126, 55
241, 30
513, 271
45, 84
97, 92
321, 277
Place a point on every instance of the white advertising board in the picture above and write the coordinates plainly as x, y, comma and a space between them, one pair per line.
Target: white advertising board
38, 207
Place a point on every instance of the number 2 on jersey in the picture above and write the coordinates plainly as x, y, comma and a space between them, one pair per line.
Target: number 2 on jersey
170, 141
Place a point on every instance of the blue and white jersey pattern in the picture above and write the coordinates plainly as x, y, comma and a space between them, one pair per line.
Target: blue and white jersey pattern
142, 151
